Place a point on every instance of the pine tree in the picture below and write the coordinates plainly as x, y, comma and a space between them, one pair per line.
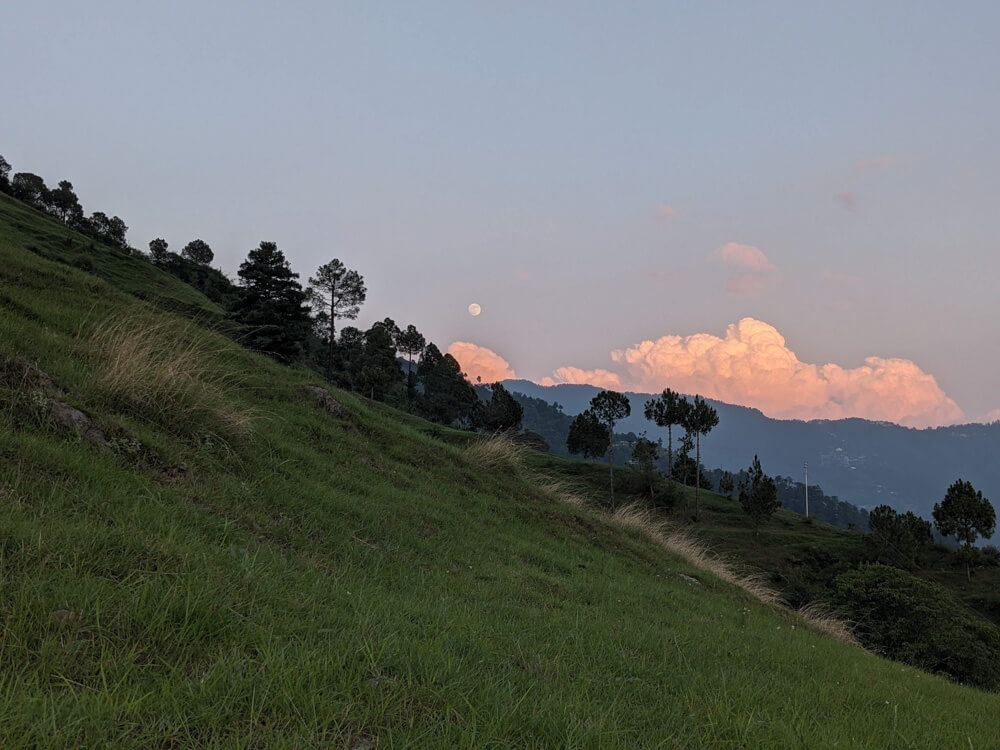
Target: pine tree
610, 407
758, 495
965, 514
699, 419
339, 292
666, 410
271, 304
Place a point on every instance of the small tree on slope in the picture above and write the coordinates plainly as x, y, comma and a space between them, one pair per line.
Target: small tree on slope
758, 496
699, 420
965, 514
610, 407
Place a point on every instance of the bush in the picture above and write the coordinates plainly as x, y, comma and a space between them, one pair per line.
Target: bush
919, 623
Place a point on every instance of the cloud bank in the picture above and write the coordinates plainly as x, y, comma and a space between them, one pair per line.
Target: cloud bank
479, 362
752, 365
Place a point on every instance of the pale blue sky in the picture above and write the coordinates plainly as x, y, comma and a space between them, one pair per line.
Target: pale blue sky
515, 154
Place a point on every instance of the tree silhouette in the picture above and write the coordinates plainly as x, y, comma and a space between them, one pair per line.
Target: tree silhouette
699, 419
65, 205
965, 514
4, 175
30, 188
501, 412
448, 397
198, 251
271, 304
726, 485
645, 454
610, 407
666, 410
411, 343
758, 496
587, 436
158, 250
339, 292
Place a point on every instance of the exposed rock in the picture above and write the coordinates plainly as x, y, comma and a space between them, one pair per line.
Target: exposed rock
17, 372
326, 401
73, 419
690, 579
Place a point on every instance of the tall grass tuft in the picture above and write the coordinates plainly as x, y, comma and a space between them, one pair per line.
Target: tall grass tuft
496, 452
170, 374
820, 617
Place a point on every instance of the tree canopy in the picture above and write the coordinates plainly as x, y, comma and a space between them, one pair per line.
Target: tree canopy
271, 304
666, 410
198, 251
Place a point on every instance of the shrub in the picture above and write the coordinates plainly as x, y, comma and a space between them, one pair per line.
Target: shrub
919, 623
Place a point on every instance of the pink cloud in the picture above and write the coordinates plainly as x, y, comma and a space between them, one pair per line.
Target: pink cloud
665, 212
989, 418
576, 376
753, 365
747, 257
478, 362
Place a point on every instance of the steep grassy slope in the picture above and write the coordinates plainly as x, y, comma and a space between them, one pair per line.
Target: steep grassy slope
238, 566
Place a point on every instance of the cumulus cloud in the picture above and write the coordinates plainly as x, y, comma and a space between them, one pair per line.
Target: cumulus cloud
479, 362
753, 365
665, 212
576, 376
746, 257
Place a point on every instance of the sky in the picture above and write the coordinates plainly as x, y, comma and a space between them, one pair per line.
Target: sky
782, 204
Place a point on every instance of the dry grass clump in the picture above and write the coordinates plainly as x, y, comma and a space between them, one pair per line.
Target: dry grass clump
560, 490
821, 618
691, 550
169, 374
496, 452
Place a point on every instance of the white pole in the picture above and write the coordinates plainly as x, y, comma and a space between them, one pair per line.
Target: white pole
805, 465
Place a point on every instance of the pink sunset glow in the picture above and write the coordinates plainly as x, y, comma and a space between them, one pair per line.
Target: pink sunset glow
752, 365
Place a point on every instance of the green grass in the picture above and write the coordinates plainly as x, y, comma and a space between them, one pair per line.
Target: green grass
320, 581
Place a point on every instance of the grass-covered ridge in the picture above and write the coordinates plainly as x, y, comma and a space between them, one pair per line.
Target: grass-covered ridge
298, 578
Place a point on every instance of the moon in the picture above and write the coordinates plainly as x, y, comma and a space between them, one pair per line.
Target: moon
475, 309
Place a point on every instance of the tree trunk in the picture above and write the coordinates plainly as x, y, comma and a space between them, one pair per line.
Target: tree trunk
611, 463
333, 337
697, 477
670, 452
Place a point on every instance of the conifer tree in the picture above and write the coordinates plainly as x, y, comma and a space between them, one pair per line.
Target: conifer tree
666, 410
699, 419
610, 407
339, 292
965, 514
758, 496
271, 304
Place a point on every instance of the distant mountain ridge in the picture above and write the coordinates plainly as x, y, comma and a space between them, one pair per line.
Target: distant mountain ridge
862, 462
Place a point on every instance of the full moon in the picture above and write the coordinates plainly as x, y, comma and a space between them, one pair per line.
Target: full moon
475, 309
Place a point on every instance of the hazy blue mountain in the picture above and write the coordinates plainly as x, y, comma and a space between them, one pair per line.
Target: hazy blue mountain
863, 462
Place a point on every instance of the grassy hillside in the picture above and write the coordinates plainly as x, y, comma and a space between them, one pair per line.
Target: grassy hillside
233, 565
